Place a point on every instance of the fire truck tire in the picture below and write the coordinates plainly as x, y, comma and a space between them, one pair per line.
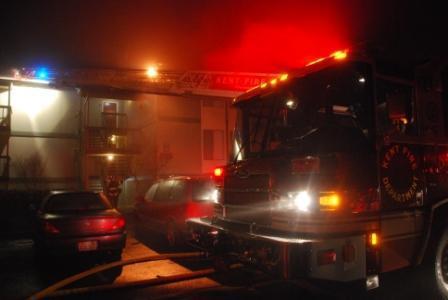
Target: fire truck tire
440, 265
221, 264
40, 255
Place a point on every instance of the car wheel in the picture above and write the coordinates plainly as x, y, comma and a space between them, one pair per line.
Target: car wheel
40, 254
115, 255
221, 264
441, 265
109, 275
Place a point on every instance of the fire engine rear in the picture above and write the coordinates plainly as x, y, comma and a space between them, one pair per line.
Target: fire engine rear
336, 175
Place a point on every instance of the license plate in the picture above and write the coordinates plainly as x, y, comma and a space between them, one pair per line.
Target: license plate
88, 246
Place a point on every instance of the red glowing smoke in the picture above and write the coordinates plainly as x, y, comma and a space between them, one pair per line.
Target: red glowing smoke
276, 47
274, 38
232, 35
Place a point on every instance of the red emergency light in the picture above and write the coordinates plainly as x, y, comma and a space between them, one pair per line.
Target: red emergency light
218, 172
218, 176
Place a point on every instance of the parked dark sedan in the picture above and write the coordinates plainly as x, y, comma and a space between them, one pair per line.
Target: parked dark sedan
79, 222
169, 202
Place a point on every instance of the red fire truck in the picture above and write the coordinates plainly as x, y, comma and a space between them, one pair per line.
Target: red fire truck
340, 173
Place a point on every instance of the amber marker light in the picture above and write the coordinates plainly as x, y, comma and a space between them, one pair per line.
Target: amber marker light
373, 239
263, 85
274, 81
329, 201
283, 77
339, 55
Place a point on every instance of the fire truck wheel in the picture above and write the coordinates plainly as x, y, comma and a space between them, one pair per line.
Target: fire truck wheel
441, 265
221, 264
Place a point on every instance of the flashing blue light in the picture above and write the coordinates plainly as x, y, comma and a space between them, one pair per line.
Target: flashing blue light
42, 73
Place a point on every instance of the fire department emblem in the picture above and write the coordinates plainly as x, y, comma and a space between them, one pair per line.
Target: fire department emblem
399, 173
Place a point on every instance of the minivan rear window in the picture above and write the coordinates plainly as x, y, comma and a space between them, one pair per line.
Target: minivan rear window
202, 190
150, 194
163, 191
179, 191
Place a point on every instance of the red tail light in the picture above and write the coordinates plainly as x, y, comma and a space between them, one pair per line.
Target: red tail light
50, 228
118, 224
218, 176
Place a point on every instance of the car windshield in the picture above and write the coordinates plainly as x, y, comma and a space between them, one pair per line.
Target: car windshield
76, 202
334, 103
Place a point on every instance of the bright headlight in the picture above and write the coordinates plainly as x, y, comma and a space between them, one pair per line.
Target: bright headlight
301, 200
214, 196
211, 195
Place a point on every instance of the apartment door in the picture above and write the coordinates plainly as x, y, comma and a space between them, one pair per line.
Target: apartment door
110, 110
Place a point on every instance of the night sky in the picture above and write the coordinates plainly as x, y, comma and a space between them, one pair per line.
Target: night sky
259, 36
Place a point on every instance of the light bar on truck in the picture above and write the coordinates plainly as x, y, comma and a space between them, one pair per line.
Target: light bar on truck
337, 55
283, 77
315, 61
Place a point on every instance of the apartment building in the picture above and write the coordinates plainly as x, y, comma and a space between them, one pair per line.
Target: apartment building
86, 128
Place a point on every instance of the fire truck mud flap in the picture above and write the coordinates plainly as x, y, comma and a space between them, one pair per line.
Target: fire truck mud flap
341, 258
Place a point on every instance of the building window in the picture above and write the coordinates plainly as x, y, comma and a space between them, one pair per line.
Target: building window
110, 114
213, 144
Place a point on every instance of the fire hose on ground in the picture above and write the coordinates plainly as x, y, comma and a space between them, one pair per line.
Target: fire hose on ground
147, 283
55, 289
51, 290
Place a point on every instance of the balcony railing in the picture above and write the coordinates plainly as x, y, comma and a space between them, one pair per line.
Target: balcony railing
103, 140
114, 120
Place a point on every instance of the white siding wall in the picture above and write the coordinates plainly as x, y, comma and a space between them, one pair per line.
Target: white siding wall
50, 116
178, 135
171, 125
213, 115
